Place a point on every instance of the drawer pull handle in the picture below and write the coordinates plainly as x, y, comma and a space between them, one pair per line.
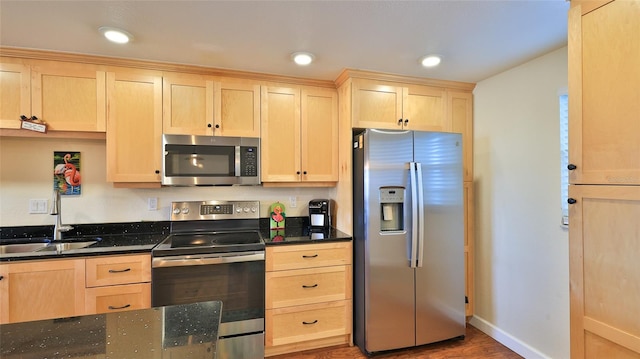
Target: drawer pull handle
122, 307
313, 256
308, 323
119, 270
310, 286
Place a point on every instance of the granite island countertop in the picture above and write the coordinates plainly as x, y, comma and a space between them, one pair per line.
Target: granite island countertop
177, 331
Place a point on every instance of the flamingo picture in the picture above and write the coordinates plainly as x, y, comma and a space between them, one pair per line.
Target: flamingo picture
67, 173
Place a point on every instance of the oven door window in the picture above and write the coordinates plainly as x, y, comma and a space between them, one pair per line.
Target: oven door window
240, 287
201, 161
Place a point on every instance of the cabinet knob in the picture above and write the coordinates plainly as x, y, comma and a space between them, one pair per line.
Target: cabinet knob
571, 201
571, 167
209, 125
1, 277
297, 172
406, 121
400, 122
217, 126
304, 172
157, 172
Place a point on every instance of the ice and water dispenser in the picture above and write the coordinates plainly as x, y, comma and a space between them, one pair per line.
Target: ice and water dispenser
391, 209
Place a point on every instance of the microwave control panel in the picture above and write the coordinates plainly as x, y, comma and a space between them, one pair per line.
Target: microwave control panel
248, 161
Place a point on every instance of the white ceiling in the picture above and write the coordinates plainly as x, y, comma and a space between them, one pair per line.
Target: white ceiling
477, 39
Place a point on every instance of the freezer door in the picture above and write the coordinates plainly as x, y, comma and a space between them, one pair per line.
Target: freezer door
440, 276
389, 279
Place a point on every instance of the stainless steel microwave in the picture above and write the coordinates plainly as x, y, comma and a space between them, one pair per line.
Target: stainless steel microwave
210, 160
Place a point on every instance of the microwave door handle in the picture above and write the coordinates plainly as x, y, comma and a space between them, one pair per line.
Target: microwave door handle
237, 161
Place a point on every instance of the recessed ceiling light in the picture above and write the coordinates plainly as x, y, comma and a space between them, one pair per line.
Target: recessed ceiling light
302, 58
116, 35
430, 60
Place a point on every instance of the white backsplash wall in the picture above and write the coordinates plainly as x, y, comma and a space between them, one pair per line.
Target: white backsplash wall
26, 172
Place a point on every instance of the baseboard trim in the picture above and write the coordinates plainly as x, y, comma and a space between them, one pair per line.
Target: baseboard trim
506, 339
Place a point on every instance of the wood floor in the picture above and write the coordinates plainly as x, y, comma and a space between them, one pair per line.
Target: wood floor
476, 345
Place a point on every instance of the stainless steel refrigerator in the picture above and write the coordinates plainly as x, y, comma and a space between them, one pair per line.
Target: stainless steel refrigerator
409, 276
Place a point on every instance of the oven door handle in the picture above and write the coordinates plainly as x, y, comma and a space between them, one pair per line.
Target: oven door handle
206, 259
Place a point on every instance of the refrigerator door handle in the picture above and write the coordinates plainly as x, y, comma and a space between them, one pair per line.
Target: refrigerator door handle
421, 228
414, 214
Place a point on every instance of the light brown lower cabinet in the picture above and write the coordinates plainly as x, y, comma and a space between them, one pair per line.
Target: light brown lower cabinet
604, 246
118, 283
58, 288
308, 297
35, 290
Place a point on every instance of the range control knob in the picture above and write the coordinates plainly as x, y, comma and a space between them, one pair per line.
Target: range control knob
238, 209
176, 210
253, 209
185, 210
246, 209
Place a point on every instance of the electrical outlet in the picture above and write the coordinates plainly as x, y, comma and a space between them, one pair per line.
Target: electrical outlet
37, 206
152, 203
293, 202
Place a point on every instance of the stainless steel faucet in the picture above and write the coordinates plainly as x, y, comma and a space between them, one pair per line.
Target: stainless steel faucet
55, 211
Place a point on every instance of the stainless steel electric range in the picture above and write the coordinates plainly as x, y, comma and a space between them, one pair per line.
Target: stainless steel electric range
215, 252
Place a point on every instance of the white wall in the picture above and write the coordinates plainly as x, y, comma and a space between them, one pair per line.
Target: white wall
26, 172
522, 259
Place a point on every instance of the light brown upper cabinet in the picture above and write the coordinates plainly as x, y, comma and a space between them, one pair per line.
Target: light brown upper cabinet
203, 105
460, 115
134, 134
299, 135
388, 105
67, 96
604, 94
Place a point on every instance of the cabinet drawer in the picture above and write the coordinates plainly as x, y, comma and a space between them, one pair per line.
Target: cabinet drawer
308, 256
113, 270
307, 286
308, 322
118, 298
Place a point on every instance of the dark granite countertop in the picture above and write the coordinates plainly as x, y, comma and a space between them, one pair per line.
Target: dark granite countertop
177, 331
111, 238
297, 231
141, 237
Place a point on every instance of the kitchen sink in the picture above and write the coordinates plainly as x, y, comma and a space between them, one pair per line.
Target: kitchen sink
65, 246
21, 247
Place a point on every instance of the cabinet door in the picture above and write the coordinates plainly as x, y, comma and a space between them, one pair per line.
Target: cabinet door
15, 94
424, 109
237, 108
460, 113
36, 290
319, 135
134, 133
604, 88
280, 139
604, 247
376, 105
187, 104
69, 96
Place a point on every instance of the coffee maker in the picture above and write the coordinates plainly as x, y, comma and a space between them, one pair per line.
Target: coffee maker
320, 214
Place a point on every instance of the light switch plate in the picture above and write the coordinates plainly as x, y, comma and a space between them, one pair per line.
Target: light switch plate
37, 206
152, 203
